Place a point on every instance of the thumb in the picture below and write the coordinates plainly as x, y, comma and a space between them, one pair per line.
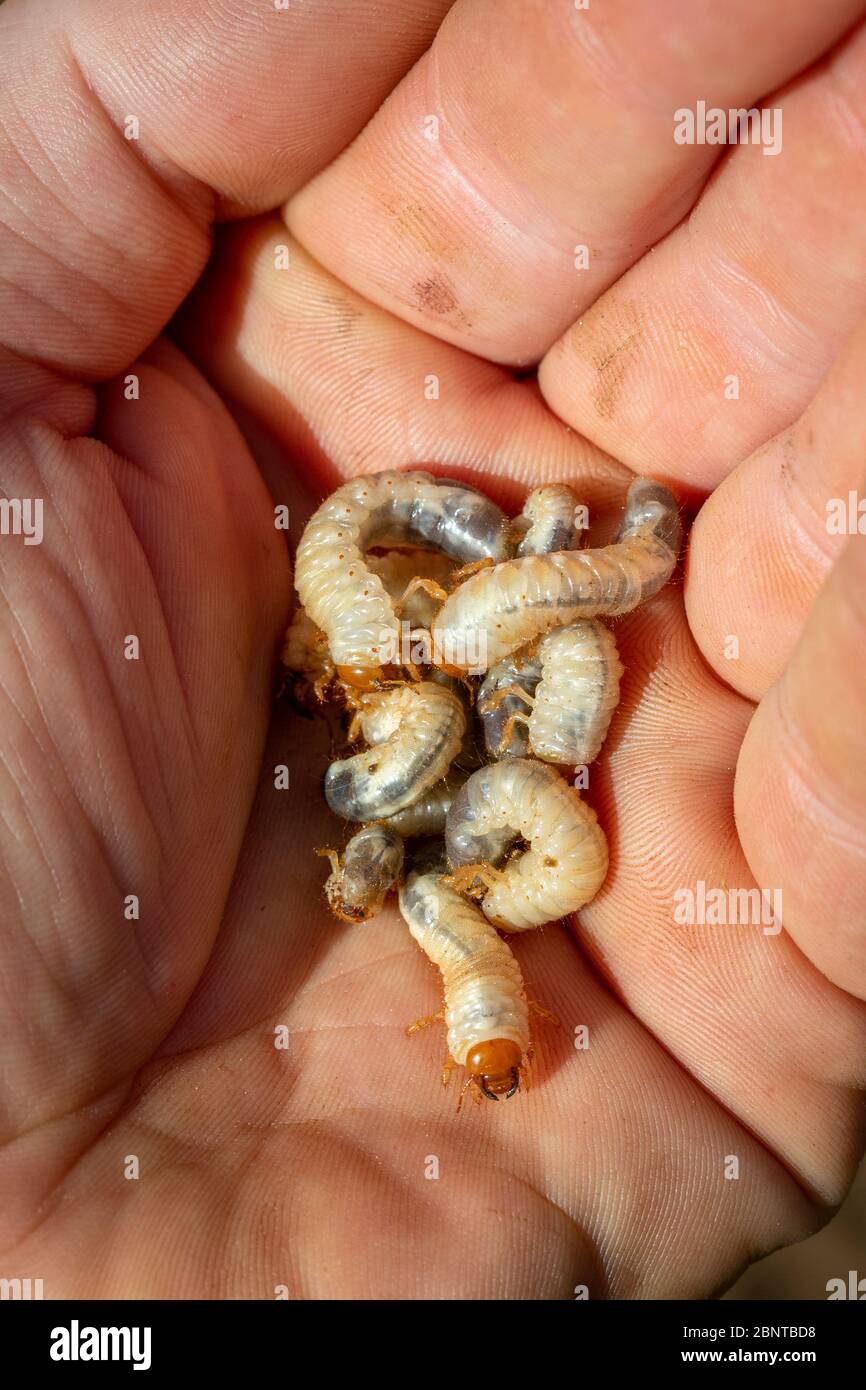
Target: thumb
800, 792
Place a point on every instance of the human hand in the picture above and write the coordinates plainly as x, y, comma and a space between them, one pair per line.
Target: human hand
154, 1037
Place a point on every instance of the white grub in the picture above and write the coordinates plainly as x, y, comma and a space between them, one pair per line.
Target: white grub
521, 800
414, 732
502, 608
555, 701
547, 522
486, 1011
340, 592
359, 883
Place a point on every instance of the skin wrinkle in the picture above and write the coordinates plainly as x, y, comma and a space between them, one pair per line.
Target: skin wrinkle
199, 224
102, 292
131, 762
539, 230
812, 540
106, 799
838, 822
98, 838
841, 101
67, 207
54, 1198
729, 274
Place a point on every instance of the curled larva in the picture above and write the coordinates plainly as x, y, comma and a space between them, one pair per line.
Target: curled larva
556, 701
547, 522
565, 864
371, 864
344, 597
414, 732
486, 1011
426, 814
503, 607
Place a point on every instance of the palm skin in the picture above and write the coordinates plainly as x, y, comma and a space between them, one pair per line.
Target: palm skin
264, 1169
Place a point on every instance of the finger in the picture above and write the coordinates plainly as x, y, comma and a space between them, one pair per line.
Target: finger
347, 388
801, 781
710, 346
127, 129
765, 541
530, 130
725, 992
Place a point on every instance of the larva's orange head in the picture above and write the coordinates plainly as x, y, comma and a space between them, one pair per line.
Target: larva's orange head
360, 677
495, 1067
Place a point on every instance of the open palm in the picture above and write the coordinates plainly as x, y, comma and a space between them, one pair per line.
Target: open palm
163, 924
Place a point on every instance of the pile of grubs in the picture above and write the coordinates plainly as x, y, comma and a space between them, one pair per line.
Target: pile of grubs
465, 653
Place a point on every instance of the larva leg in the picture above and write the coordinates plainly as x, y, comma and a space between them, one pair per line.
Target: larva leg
492, 702
464, 572
331, 855
508, 687
509, 726
429, 586
353, 733
541, 1012
322, 684
463, 879
425, 1022
468, 1085
449, 1064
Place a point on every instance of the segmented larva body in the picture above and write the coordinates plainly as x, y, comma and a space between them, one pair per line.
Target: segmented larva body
565, 864
547, 522
486, 1012
566, 692
371, 864
500, 609
426, 814
414, 733
577, 694
340, 592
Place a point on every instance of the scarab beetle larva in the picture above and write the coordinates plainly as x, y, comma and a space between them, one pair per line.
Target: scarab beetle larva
520, 599
486, 1010
518, 836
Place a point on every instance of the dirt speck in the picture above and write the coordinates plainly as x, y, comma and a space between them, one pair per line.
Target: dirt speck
611, 365
435, 296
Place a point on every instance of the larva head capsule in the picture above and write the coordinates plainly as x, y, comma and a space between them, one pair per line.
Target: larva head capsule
360, 677
495, 1067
